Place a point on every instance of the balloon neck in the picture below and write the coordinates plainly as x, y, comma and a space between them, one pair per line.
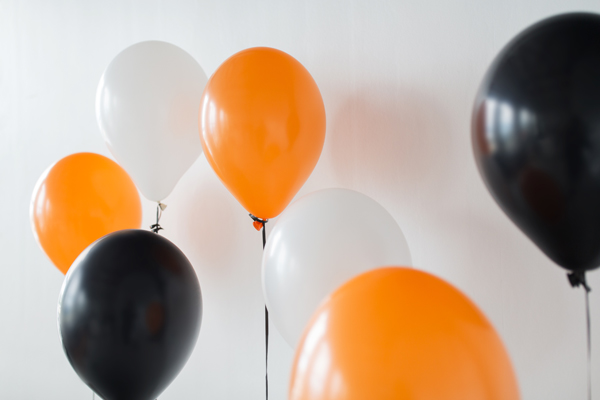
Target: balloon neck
258, 223
577, 278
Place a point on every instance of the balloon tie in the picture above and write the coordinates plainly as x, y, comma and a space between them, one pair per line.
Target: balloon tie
577, 278
261, 224
159, 209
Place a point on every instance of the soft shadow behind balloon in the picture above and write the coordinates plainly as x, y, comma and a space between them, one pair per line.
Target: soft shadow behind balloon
217, 236
129, 315
383, 135
206, 221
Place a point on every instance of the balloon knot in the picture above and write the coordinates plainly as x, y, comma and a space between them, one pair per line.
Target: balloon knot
155, 228
258, 223
160, 207
577, 278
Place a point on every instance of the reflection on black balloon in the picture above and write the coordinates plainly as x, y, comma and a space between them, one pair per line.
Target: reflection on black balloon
155, 317
543, 195
536, 136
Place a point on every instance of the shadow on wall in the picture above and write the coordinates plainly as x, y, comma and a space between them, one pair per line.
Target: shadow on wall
205, 221
387, 135
501, 268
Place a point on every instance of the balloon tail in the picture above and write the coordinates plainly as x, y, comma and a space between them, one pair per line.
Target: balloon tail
261, 223
577, 278
159, 209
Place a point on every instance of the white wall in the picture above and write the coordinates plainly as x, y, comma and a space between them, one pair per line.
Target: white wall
398, 78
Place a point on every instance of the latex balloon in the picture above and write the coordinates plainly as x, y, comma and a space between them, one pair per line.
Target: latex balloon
147, 109
129, 315
401, 334
536, 136
262, 123
321, 241
79, 199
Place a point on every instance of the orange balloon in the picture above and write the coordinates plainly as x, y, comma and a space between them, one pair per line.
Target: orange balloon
262, 126
402, 334
78, 200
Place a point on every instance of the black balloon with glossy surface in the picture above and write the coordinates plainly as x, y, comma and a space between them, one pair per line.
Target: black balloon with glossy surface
536, 136
129, 314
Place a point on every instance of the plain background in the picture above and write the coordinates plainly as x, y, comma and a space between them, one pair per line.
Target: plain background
398, 79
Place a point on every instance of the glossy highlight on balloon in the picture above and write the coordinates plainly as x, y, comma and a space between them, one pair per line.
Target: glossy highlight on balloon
78, 200
536, 136
401, 334
129, 315
262, 127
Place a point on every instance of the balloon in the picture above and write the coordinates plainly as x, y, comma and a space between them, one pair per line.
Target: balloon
79, 199
320, 242
401, 334
536, 136
147, 109
129, 314
262, 123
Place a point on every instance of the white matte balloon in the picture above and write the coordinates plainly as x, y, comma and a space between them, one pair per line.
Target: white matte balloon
147, 108
318, 243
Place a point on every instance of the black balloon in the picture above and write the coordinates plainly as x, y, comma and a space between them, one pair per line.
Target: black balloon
536, 136
129, 314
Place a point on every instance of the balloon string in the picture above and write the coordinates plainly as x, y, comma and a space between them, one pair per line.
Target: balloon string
576, 279
589, 343
159, 209
264, 240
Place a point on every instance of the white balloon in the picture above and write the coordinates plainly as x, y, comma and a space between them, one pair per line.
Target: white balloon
147, 108
318, 243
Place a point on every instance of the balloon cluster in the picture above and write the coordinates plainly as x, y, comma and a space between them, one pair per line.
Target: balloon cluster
335, 271
362, 325
262, 125
130, 308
